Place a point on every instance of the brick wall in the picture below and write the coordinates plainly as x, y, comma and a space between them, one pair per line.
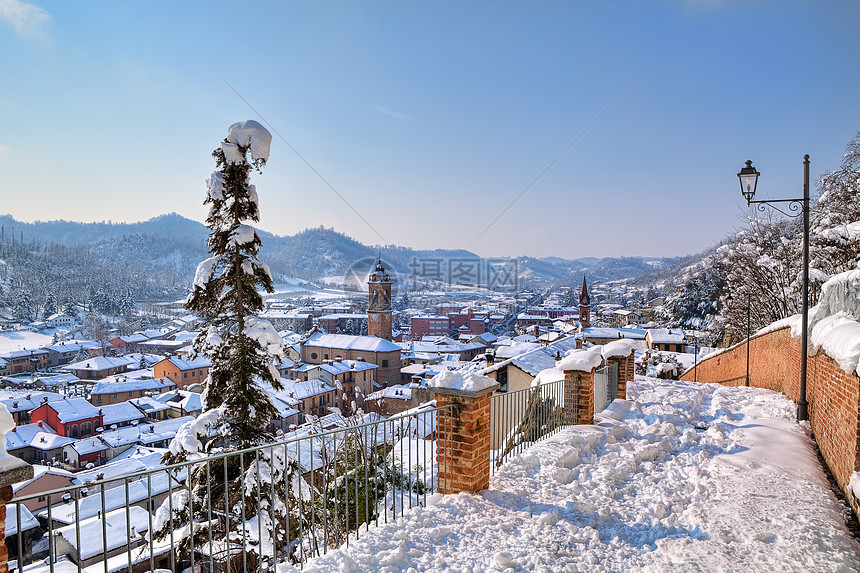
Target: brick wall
833, 394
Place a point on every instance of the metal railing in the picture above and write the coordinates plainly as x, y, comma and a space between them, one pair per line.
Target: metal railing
605, 386
247, 510
522, 417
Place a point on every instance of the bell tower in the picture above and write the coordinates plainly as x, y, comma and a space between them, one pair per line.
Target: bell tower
379, 302
584, 306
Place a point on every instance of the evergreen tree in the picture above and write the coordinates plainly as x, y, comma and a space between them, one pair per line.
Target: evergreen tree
125, 306
24, 306
70, 308
237, 409
50, 305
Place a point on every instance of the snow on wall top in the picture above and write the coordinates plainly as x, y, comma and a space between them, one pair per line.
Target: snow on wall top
834, 323
618, 348
464, 380
581, 360
251, 134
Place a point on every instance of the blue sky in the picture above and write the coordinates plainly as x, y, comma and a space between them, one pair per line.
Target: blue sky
431, 118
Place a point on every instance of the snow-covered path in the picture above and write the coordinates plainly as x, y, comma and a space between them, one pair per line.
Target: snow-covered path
685, 477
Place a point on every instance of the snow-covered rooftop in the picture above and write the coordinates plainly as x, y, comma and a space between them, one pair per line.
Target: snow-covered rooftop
667, 336
120, 413
116, 385
349, 342
73, 409
98, 363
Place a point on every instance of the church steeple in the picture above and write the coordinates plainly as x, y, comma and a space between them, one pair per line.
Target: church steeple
379, 302
584, 306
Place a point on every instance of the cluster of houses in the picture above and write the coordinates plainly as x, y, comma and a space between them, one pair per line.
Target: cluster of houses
118, 406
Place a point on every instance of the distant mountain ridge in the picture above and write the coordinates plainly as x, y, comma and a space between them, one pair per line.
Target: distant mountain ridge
174, 243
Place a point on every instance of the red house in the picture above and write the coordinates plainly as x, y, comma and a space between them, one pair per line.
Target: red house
71, 417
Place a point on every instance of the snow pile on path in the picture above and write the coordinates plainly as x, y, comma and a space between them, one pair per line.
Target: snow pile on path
584, 360
250, 134
685, 477
463, 380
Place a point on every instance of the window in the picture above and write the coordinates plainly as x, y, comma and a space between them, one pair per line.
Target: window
86, 429
74, 430
385, 363
314, 355
325, 356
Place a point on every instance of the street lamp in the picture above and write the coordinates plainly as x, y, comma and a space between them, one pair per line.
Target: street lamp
748, 178
749, 305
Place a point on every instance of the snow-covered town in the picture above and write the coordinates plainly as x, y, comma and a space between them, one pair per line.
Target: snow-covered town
429, 287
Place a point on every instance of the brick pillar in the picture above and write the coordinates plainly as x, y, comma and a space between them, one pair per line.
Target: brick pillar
463, 440
578, 397
12, 470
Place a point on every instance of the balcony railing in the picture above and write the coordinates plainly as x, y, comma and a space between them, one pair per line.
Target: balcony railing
522, 417
314, 491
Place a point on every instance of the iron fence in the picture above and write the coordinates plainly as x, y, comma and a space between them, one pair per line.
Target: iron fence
605, 386
522, 417
296, 498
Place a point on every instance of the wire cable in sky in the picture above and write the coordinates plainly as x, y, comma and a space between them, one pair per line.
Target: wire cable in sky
323, 179
554, 161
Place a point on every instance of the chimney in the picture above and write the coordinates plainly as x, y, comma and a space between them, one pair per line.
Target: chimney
490, 358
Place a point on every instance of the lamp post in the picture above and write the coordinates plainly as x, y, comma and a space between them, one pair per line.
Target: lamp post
696, 358
749, 304
748, 177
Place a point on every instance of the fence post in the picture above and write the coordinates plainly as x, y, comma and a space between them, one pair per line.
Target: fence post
12, 470
463, 439
579, 367
579, 396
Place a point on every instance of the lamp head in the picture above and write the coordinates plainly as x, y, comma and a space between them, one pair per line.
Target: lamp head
748, 177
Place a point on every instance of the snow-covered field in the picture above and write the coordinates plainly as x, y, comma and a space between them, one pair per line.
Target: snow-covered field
11, 340
684, 477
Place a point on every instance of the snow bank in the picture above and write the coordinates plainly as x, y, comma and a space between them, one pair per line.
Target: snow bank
250, 134
463, 380
581, 360
839, 337
619, 348
840, 294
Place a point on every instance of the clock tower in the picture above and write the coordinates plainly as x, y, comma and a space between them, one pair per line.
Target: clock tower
584, 306
379, 302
